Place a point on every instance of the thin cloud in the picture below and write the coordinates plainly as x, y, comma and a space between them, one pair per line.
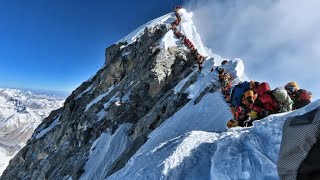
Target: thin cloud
279, 40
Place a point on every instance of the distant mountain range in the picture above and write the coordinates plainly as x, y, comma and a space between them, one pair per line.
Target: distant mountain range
21, 112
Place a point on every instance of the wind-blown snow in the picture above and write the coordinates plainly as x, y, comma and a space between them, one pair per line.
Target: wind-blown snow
20, 113
188, 29
104, 151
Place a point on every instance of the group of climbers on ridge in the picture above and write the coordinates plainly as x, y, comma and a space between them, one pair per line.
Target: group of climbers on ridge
198, 57
253, 100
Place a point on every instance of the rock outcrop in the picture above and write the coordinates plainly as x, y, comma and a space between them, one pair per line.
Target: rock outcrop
135, 86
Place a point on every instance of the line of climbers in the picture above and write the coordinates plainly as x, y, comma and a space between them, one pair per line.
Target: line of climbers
250, 101
198, 57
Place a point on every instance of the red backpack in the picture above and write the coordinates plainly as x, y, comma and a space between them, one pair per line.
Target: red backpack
304, 95
262, 88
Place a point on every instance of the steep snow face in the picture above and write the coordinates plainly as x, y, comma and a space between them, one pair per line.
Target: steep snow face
104, 151
20, 113
177, 150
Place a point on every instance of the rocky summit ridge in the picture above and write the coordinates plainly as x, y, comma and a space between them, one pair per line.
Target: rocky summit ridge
136, 87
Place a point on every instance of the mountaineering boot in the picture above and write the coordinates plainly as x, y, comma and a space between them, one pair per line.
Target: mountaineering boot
232, 123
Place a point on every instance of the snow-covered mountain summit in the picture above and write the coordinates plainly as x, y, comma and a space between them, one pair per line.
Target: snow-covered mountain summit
20, 113
149, 114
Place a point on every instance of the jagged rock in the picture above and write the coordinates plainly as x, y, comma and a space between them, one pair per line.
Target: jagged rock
142, 72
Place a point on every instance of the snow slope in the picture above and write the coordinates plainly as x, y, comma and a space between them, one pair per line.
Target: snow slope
100, 160
20, 113
239, 153
181, 148
195, 144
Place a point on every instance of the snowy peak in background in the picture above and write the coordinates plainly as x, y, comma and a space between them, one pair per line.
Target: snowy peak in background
20, 113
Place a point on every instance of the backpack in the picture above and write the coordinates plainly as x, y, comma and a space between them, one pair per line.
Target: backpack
237, 93
267, 102
262, 88
304, 95
283, 99
249, 97
301, 98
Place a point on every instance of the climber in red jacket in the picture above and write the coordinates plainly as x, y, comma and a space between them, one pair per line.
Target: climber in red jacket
188, 43
265, 103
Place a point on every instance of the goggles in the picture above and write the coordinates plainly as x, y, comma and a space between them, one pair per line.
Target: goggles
291, 89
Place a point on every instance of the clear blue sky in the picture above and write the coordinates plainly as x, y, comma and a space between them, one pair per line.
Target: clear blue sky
58, 44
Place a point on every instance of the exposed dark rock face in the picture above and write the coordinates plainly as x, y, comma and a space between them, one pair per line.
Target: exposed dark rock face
143, 72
